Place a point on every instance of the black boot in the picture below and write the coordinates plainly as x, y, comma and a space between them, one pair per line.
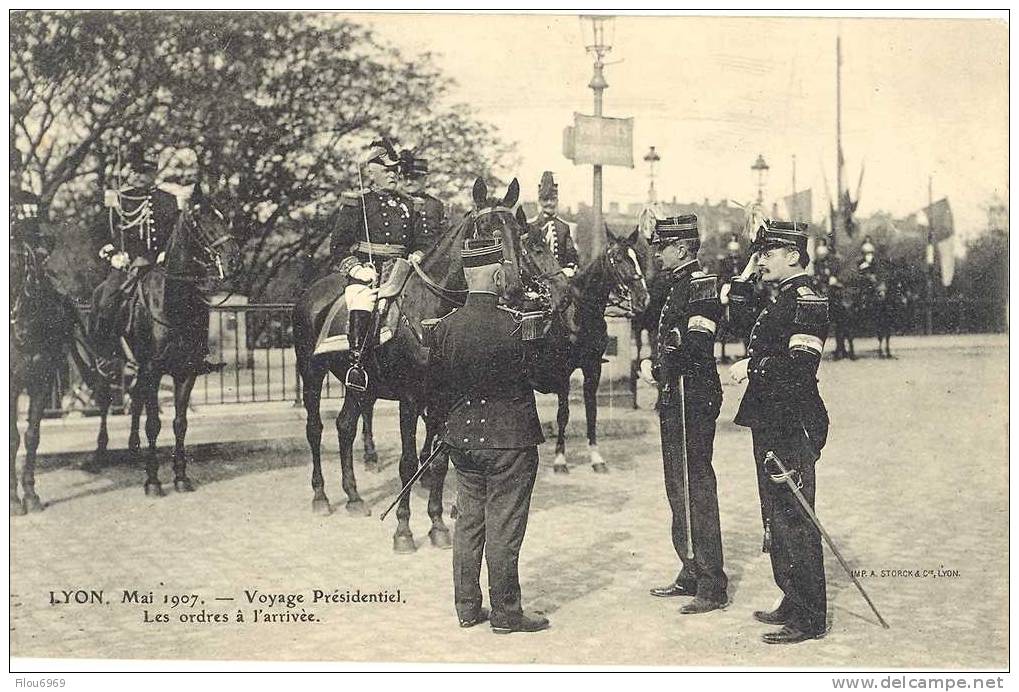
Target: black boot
357, 334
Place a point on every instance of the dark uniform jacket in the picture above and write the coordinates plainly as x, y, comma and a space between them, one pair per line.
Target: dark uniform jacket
785, 348
393, 230
432, 217
143, 225
555, 233
686, 337
24, 217
479, 362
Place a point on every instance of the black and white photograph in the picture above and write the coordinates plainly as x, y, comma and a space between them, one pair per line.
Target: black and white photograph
516, 340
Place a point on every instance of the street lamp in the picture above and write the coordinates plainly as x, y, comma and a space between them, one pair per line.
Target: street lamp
652, 158
761, 168
598, 30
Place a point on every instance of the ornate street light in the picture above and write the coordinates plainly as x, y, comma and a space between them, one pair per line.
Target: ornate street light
761, 168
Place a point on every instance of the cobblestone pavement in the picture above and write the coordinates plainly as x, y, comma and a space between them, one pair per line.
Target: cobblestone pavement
914, 478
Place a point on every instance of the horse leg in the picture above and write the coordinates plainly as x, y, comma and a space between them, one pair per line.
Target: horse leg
182, 386
145, 393
346, 431
562, 419
103, 397
371, 456
592, 377
17, 506
311, 379
635, 365
403, 539
38, 393
439, 533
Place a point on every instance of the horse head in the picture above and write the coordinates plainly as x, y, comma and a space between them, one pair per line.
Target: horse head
202, 245
492, 217
630, 285
539, 269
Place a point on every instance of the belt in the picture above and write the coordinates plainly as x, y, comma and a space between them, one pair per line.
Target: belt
381, 249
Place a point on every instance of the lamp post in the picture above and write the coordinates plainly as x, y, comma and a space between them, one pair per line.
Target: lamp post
761, 168
598, 33
652, 158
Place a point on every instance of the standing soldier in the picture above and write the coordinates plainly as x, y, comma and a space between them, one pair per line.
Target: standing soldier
552, 229
728, 268
689, 400
141, 219
429, 208
371, 231
494, 433
784, 411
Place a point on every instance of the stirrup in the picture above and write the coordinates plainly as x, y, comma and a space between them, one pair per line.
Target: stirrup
356, 379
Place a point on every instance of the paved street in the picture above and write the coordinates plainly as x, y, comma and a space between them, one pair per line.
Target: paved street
914, 479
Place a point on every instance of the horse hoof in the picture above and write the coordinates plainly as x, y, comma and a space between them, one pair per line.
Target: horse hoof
321, 507
440, 538
560, 468
33, 503
403, 543
18, 508
358, 509
154, 489
600, 467
183, 485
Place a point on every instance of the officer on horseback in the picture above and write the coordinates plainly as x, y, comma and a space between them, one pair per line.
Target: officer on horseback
371, 231
430, 209
26, 231
552, 229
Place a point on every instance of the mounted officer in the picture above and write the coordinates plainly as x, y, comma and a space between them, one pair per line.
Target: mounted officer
26, 237
141, 219
785, 414
493, 431
430, 209
552, 229
372, 230
688, 408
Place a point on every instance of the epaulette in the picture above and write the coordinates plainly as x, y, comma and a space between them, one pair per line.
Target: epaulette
704, 288
350, 199
811, 309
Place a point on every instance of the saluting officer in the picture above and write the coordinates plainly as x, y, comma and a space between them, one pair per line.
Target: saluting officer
142, 218
431, 211
372, 230
493, 430
784, 411
552, 229
686, 337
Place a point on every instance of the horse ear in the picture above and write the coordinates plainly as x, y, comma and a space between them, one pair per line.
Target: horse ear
479, 193
512, 194
521, 217
633, 237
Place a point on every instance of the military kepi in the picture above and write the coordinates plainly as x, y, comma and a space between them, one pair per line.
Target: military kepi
547, 188
782, 233
675, 228
481, 252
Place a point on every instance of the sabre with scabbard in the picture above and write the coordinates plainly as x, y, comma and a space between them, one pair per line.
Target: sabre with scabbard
786, 476
438, 449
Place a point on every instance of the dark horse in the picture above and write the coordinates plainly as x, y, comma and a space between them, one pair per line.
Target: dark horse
167, 328
45, 328
616, 271
397, 370
868, 301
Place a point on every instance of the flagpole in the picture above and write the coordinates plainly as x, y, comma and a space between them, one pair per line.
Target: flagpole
796, 203
839, 219
930, 256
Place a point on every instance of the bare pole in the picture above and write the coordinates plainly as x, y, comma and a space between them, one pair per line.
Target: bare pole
929, 311
839, 219
795, 211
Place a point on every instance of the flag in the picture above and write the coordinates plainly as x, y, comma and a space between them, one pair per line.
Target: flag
946, 251
939, 217
799, 206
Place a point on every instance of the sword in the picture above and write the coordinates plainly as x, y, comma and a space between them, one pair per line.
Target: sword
686, 469
439, 449
786, 477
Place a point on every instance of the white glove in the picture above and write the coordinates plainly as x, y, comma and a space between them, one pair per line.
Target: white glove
161, 257
645, 371
569, 272
738, 371
120, 260
363, 272
107, 251
748, 270
723, 295
416, 257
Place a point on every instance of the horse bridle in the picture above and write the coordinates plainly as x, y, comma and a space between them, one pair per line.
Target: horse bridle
621, 297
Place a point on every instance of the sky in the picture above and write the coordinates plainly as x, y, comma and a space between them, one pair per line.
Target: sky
922, 98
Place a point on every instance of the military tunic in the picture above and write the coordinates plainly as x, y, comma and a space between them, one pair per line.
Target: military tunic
144, 222
784, 410
394, 230
555, 233
432, 217
493, 430
686, 334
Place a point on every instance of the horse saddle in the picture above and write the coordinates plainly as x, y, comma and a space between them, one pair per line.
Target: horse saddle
333, 335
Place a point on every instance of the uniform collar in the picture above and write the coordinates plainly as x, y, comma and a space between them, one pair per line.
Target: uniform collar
482, 298
687, 268
801, 279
